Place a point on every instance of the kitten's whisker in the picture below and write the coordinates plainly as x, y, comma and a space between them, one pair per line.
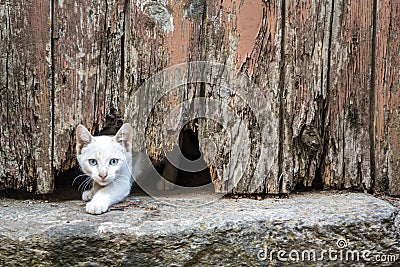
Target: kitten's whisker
79, 176
88, 184
84, 184
80, 186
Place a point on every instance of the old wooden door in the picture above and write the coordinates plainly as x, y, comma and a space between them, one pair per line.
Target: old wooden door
326, 73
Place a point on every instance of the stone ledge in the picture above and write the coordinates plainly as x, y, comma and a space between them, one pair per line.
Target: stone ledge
231, 232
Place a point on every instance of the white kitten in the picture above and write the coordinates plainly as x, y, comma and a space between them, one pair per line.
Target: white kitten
108, 162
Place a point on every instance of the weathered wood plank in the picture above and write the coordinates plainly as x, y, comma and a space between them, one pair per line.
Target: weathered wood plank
89, 73
387, 101
347, 160
143, 57
25, 96
307, 43
158, 36
245, 36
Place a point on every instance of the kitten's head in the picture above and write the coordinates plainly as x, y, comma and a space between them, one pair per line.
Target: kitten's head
104, 158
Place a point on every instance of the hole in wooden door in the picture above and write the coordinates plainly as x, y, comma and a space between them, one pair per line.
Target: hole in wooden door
189, 147
68, 183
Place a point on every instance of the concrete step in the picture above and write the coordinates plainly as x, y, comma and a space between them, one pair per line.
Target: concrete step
310, 229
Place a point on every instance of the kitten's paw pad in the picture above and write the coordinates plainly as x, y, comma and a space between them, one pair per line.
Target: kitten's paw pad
96, 208
164, 185
87, 195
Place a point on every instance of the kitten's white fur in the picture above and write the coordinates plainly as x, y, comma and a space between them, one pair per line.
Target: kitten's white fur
108, 162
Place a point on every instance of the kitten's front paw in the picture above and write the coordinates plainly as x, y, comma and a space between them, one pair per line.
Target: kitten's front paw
95, 207
87, 195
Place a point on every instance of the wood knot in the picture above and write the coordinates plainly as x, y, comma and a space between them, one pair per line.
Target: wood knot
310, 138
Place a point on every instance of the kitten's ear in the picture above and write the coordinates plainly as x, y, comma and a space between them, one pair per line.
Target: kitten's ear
124, 136
83, 137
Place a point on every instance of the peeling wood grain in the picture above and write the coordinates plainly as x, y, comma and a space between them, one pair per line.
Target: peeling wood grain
347, 161
263, 65
183, 42
387, 103
307, 44
89, 77
150, 48
145, 56
25, 95
244, 164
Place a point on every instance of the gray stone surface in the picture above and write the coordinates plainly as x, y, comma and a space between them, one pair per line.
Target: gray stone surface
228, 232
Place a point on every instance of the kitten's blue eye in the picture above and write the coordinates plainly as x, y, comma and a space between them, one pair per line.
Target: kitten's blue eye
92, 162
113, 162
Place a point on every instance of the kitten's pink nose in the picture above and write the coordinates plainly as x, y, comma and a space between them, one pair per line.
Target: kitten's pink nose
102, 176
